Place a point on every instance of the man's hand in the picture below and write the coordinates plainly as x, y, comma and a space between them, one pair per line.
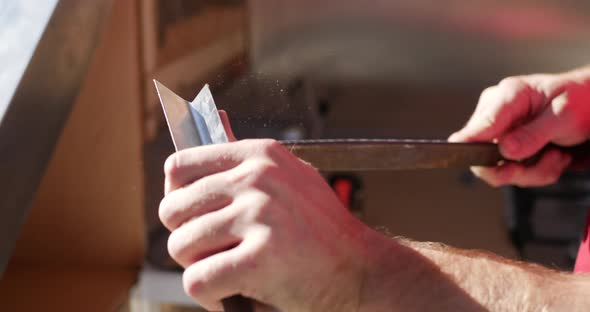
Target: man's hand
249, 218
523, 114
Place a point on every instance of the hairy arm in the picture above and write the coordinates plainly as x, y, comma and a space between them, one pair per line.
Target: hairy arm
531, 111
426, 276
270, 228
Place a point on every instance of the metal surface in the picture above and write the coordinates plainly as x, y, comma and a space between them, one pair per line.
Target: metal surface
195, 124
183, 129
420, 41
362, 155
191, 123
396, 154
207, 118
46, 50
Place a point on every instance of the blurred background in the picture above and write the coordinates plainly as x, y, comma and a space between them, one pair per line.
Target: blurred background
287, 70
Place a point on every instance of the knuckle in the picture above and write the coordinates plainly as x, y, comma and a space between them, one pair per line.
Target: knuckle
171, 167
257, 172
193, 283
181, 244
242, 177
165, 211
266, 243
257, 206
513, 83
548, 81
515, 90
269, 147
264, 169
525, 137
487, 93
175, 246
202, 278
563, 105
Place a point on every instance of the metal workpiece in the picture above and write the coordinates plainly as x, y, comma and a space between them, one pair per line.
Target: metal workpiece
47, 47
194, 124
183, 130
191, 123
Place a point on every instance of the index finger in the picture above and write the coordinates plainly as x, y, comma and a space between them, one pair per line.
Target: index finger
189, 165
177, 177
498, 111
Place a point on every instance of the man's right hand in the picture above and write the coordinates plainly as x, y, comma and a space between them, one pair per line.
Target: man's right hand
523, 114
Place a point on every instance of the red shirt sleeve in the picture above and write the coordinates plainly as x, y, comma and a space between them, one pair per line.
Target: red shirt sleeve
583, 258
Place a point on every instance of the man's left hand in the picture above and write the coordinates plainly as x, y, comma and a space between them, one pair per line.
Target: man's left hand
250, 218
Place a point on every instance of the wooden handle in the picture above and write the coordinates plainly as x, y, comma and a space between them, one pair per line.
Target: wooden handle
237, 303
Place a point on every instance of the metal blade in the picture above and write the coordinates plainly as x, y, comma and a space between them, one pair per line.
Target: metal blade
194, 124
359, 155
207, 118
191, 124
182, 128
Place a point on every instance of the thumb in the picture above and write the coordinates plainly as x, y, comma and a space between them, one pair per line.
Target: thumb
528, 139
227, 126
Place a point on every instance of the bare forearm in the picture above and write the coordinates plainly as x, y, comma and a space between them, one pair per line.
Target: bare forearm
423, 276
499, 284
